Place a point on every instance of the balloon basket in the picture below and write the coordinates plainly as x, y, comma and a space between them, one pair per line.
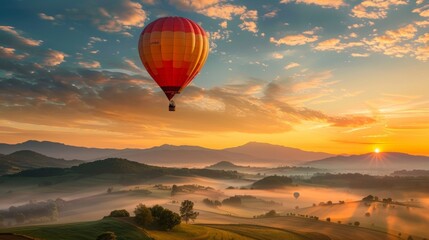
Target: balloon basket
172, 106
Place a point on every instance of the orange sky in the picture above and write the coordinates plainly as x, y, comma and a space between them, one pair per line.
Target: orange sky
343, 77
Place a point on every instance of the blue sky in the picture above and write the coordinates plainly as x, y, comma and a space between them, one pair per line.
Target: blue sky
347, 69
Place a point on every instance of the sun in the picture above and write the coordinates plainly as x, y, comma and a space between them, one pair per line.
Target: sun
377, 150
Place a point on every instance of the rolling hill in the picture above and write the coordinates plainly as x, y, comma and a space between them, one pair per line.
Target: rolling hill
26, 159
255, 154
371, 161
129, 170
126, 230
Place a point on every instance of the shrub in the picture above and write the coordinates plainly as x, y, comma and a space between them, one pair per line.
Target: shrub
168, 220
357, 224
119, 213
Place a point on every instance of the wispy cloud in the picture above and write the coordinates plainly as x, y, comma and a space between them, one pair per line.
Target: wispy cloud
375, 9
323, 3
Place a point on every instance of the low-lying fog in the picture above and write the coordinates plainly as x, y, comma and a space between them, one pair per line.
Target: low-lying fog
91, 202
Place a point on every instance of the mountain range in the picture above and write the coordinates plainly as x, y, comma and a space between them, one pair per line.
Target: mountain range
373, 161
252, 153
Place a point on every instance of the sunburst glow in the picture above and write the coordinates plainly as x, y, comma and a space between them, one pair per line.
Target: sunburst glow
377, 150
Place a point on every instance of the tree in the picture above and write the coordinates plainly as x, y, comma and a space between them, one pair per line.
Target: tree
174, 190
143, 215
328, 219
368, 198
271, 213
187, 211
119, 213
168, 220
156, 212
107, 236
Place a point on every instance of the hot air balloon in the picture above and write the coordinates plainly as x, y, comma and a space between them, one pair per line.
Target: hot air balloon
173, 50
296, 195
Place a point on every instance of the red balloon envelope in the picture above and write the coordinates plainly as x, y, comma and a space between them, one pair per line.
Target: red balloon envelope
173, 50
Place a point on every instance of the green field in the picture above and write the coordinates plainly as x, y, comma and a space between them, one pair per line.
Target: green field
127, 231
81, 231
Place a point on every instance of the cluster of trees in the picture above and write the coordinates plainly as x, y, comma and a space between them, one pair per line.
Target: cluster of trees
271, 182
158, 217
212, 203
34, 212
271, 213
302, 215
188, 188
232, 201
357, 180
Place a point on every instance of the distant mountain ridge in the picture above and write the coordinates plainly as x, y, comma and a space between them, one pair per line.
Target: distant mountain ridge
57, 150
26, 159
169, 155
384, 160
277, 152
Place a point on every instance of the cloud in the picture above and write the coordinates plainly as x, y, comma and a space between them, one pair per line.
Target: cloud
223, 11
249, 19
277, 55
53, 58
132, 65
422, 53
422, 11
293, 40
422, 23
27, 48
298, 39
389, 42
375, 9
194, 4
220, 9
423, 38
10, 53
90, 64
278, 95
110, 15
132, 105
223, 24
292, 65
271, 14
323, 3
360, 54
335, 44
46, 17
13, 38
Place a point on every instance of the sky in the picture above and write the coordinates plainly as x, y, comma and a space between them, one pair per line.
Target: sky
339, 76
